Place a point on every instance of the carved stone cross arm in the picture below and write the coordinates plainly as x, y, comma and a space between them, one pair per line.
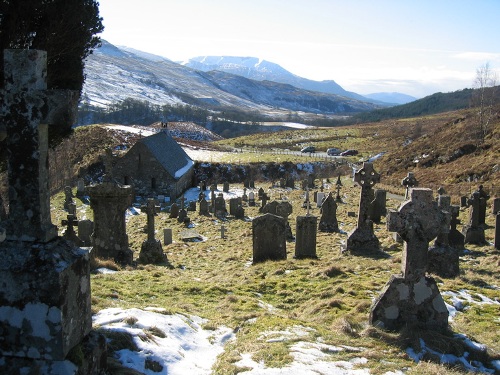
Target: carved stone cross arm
367, 177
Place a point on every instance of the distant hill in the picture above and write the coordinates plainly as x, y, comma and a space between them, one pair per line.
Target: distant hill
391, 97
432, 104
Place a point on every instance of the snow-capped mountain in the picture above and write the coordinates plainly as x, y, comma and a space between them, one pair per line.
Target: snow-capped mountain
261, 70
114, 74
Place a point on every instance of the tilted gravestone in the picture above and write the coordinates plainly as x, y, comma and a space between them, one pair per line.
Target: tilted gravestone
328, 221
109, 201
362, 239
151, 249
473, 230
269, 241
412, 299
443, 259
44, 280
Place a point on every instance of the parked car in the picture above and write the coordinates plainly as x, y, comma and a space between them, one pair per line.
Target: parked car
308, 149
333, 151
349, 153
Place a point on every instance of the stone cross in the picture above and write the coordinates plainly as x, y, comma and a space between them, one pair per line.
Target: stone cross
308, 203
417, 222
413, 299
366, 177
338, 186
409, 182
151, 210
444, 204
183, 199
27, 108
363, 239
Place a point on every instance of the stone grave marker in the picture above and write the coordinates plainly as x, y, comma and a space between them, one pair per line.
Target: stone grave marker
203, 207
68, 197
338, 186
455, 238
244, 197
409, 182
174, 211
412, 299
260, 193
443, 259
69, 233
151, 249
192, 206
378, 206
290, 183
252, 184
310, 180
495, 206
167, 236
362, 239
483, 198
240, 212
473, 231
225, 187
328, 221
283, 209
251, 199
80, 187
233, 205
497, 231
269, 241
305, 241
264, 198
44, 280
319, 198
85, 229
220, 206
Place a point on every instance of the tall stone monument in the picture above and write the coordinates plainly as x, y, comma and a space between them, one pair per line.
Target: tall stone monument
412, 299
362, 240
44, 280
109, 201
151, 249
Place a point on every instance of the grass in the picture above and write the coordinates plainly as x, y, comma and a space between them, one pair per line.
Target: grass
330, 295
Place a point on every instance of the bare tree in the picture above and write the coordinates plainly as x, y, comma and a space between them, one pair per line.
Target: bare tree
484, 100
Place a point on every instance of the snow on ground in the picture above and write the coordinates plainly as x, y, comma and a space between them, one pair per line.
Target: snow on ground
146, 132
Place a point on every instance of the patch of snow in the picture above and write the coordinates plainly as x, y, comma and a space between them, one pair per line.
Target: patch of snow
180, 172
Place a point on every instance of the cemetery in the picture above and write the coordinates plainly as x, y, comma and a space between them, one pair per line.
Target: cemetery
269, 266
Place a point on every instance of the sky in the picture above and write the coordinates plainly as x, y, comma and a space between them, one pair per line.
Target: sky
408, 46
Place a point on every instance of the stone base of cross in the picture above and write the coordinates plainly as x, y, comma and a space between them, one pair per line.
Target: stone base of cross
152, 253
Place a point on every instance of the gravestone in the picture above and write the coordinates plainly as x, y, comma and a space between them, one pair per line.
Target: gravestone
68, 197
378, 207
203, 209
409, 182
328, 221
483, 198
310, 180
233, 205
80, 187
246, 183
362, 239
151, 249
174, 211
252, 184
497, 231
283, 209
85, 229
44, 280
264, 198
305, 241
192, 206
260, 193
495, 206
304, 184
244, 197
251, 199
220, 206
473, 231
240, 212
307, 200
455, 238
412, 299
201, 196
69, 233
167, 236
319, 198
443, 259
290, 183
338, 186
225, 187
183, 216
269, 241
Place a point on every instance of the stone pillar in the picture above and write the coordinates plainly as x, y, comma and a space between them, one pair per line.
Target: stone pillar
151, 249
109, 201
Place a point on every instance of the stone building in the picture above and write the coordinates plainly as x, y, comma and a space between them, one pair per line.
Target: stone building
155, 165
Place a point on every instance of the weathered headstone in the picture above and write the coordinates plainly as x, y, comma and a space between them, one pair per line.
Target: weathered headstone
455, 238
220, 206
260, 193
85, 229
192, 206
203, 207
319, 198
151, 249
233, 205
240, 212
495, 206
283, 209
473, 231
310, 180
174, 211
167, 236
44, 280
483, 198
328, 221
378, 207
412, 299
80, 187
305, 241
244, 197
183, 216
290, 183
264, 198
409, 182
251, 199
362, 239
225, 187
443, 260
269, 242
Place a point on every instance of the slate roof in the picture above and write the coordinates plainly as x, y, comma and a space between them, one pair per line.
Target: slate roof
168, 153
